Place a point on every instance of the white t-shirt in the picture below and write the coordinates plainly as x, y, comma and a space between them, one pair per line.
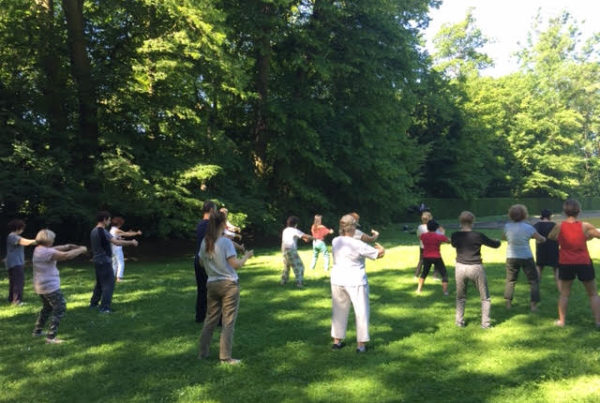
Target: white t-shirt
113, 232
289, 237
358, 234
215, 263
349, 261
45, 272
421, 229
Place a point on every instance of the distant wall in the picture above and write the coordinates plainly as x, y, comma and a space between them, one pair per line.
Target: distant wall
451, 208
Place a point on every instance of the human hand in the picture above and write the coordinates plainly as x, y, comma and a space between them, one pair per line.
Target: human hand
134, 242
248, 254
139, 232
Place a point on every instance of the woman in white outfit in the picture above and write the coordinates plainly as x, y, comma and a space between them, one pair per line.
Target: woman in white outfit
349, 284
118, 260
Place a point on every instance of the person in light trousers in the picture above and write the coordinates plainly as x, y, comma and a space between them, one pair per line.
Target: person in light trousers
349, 285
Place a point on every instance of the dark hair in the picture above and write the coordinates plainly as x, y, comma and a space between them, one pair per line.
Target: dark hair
571, 208
546, 213
517, 212
102, 215
432, 225
215, 221
117, 221
16, 225
292, 221
208, 206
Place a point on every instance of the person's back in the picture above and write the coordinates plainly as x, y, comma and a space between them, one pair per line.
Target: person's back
215, 263
518, 235
468, 246
431, 244
573, 244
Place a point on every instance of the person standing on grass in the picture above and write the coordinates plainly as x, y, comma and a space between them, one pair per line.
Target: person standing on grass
469, 267
319, 232
432, 241
422, 229
46, 281
519, 256
289, 250
546, 254
220, 261
101, 241
118, 260
15, 260
349, 285
208, 208
574, 259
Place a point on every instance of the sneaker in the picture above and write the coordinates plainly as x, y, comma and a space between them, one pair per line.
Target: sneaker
338, 346
38, 333
54, 340
446, 293
362, 349
231, 361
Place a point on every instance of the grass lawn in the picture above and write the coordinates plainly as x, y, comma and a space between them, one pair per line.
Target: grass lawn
147, 349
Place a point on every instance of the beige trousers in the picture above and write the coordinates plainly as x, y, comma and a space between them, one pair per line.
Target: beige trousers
341, 299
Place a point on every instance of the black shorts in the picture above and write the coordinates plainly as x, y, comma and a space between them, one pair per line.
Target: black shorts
584, 272
439, 266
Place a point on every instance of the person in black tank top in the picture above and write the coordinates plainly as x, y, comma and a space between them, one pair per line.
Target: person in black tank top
546, 254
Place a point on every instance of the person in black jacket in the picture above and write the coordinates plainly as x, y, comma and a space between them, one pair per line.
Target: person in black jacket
469, 266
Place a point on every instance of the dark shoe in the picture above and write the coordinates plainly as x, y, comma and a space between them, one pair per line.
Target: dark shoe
338, 346
362, 349
106, 310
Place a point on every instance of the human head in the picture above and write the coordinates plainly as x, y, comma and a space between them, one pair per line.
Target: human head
432, 226
208, 206
102, 216
571, 208
16, 225
466, 219
426, 217
545, 214
45, 237
356, 216
517, 212
216, 225
292, 221
348, 224
318, 220
117, 221
224, 211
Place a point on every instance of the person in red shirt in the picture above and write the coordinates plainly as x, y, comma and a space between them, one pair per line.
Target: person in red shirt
319, 232
431, 255
574, 259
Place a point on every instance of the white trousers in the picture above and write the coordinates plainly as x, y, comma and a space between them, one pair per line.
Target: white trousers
118, 262
341, 298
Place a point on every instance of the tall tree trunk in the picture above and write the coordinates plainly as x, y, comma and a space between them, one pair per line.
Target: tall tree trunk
82, 73
55, 82
263, 61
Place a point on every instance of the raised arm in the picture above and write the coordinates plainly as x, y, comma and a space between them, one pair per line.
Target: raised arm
590, 231
123, 242
380, 250
127, 233
307, 238
70, 254
370, 238
237, 263
26, 242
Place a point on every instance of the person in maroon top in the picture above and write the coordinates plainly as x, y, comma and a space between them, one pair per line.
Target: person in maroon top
574, 259
319, 232
431, 255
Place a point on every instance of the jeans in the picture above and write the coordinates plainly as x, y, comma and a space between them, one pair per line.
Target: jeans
512, 273
201, 278
16, 284
475, 273
223, 302
105, 285
54, 307
318, 247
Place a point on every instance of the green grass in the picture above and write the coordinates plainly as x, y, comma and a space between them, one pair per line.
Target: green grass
146, 351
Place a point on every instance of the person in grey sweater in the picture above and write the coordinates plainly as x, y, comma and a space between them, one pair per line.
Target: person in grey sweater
469, 267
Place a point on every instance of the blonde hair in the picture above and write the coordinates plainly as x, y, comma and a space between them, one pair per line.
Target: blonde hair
466, 218
426, 217
517, 212
45, 237
318, 220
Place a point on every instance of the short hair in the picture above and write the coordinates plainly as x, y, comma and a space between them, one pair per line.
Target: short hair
426, 217
546, 213
347, 222
101, 216
16, 225
355, 215
432, 226
292, 221
117, 221
571, 208
466, 218
517, 212
45, 237
208, 206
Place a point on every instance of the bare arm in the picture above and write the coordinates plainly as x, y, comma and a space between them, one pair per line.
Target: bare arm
66, 247
370, 238
71, 254
238, 247
380, 250
127, 233
307, 238
590, 231
554, 233
538, 237
26, 242
123, 242
237, 263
